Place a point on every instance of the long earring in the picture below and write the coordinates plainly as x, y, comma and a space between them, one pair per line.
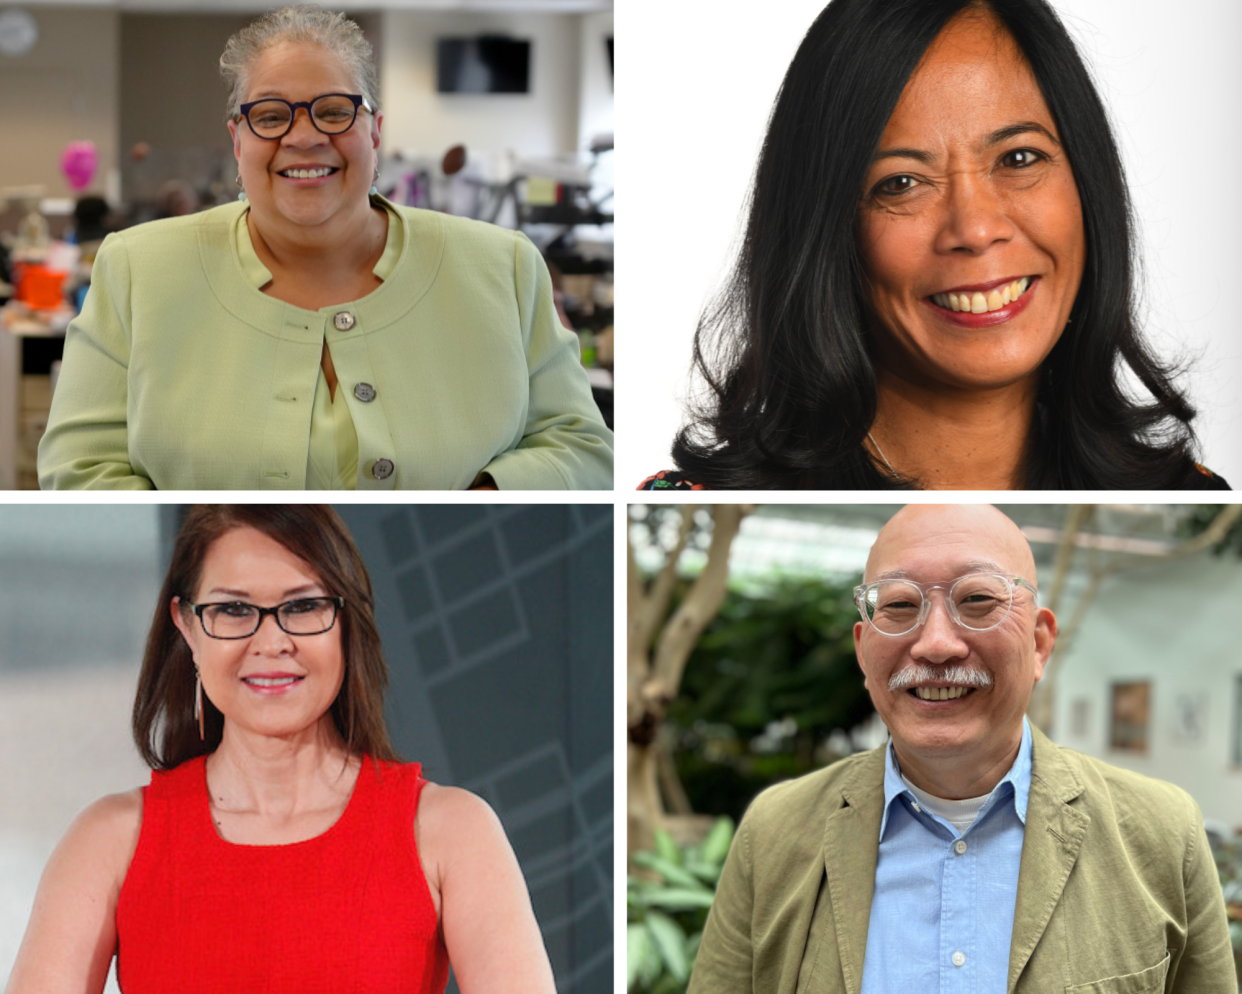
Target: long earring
241, 196
198, 704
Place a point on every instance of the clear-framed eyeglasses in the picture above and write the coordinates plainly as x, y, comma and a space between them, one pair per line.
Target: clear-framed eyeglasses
331, 114
239, 620
977, 601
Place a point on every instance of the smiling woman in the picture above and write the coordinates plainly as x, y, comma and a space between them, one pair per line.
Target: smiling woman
936, 285
314, 335
281, 844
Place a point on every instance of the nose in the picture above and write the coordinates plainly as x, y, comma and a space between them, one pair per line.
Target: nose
271, 638
939, 638
975, 217
303, 133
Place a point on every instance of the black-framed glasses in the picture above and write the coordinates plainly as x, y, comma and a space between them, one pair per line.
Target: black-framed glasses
239, 620
978, 601
332, 114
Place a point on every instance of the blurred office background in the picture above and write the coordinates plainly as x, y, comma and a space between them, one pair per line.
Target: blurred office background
497, 628
139, 80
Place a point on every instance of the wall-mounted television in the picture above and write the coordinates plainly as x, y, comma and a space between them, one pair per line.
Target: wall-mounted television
485, 64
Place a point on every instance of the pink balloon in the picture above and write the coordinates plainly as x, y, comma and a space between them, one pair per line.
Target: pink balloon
78, 162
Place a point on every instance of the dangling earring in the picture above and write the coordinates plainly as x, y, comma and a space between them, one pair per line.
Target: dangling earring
374, 181
198, 704
241, 196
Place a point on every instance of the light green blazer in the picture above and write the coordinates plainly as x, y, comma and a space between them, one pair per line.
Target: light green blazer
180, 374
1117, 894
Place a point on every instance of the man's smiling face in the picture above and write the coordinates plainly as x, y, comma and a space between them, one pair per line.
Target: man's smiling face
989, 675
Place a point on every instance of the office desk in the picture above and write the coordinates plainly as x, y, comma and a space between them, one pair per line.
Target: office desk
17, 326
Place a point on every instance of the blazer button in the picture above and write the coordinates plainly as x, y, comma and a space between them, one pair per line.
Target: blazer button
381, 469
364, 392
343, 320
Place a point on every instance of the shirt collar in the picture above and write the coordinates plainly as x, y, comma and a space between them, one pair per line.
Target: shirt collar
1018, 777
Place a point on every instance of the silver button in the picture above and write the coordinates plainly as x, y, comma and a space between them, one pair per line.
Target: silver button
364, 392
959, 846
382, 469
344, 320
959, 959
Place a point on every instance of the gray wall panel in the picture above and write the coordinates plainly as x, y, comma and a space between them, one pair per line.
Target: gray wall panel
497, 627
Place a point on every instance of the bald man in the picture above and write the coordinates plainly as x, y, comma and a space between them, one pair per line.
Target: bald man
970, 853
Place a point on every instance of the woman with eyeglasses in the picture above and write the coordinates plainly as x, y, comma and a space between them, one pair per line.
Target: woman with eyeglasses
281, 845
314, 335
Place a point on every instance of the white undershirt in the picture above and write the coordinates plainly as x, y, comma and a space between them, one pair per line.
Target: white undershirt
960, 814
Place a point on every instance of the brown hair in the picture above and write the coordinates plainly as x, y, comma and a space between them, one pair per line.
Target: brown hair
164, 726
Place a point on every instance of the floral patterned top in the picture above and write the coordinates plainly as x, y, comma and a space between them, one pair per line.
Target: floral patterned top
671, 480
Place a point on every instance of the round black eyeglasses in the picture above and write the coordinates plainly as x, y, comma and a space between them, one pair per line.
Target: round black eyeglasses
331, 114
239, 620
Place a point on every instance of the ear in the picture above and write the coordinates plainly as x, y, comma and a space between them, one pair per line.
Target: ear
1045, 639
183, 626
858, 652
377, 122
235, 132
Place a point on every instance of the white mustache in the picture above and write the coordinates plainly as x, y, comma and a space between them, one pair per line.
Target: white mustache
959, 676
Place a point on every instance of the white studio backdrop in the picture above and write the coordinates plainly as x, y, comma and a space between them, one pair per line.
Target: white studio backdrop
695, 89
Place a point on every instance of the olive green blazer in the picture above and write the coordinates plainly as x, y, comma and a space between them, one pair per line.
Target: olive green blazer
1117, 894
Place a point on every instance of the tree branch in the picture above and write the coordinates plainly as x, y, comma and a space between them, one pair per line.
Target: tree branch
700, 605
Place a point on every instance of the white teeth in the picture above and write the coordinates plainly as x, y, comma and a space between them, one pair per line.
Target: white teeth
977, 303
306, 173
259, 681
940, 693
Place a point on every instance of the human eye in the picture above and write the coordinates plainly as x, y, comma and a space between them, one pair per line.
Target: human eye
895, 186
1022, 158
891, 598
233, 609
304, 605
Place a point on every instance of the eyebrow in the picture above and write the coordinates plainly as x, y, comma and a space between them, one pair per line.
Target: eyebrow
992, 140
964, 569
292, 592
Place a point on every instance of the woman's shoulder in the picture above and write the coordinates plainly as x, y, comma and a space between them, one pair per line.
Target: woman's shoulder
113, 811
105, 834
173, 246
670, 480
453, 809
171, 230
456, 229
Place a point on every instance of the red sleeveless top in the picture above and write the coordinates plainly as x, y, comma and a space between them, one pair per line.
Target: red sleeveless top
347, 912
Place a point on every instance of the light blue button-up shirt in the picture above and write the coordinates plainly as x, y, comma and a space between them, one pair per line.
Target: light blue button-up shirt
942, 919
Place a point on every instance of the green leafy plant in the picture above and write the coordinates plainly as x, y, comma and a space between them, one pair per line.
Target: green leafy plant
667, 908
770, 680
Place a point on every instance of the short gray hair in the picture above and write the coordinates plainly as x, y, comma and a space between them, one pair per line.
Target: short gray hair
304, 22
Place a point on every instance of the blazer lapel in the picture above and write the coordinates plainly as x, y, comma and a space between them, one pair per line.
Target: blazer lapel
1053, 837
851, 849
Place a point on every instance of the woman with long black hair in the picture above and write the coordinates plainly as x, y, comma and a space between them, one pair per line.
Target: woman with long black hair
936, 287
